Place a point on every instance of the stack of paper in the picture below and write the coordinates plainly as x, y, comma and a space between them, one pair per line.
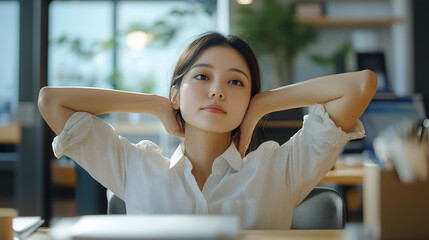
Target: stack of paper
24, 226
131, 227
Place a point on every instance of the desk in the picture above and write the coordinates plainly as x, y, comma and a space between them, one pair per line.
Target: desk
344, 177
348, 177
348, 171
291, 234
10, 134
42, 234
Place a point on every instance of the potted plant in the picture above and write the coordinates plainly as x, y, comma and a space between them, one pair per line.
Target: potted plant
273, 29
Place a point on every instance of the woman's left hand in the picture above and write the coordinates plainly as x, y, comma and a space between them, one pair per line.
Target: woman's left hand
251, 118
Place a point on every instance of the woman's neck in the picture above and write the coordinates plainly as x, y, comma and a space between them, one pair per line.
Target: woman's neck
202, 148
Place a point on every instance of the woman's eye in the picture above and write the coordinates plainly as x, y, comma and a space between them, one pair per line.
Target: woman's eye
236, 82
201, 77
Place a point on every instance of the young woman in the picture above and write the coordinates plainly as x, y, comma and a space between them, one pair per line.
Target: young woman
214, 105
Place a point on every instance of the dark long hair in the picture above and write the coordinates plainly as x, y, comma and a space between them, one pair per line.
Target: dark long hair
211, 39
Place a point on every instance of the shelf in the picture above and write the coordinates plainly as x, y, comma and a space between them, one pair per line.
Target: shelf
335, 22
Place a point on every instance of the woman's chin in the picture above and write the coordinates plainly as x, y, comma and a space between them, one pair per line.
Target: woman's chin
216, 129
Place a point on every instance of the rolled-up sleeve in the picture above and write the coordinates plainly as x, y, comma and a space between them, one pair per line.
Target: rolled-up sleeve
94, 145
313, 150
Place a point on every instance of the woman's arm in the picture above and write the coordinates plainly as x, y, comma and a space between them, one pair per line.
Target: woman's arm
57, 104
345, 97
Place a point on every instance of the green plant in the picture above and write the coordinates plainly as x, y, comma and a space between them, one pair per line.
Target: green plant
329, 60
273, 29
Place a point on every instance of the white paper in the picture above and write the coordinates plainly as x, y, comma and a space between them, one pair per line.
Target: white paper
114, 227
24, 226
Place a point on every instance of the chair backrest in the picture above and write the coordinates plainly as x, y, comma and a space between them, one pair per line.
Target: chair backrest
323, 208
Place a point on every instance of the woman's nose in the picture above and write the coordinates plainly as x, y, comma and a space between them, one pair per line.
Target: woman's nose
217, 92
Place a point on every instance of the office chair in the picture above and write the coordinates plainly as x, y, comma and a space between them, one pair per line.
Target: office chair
323, 208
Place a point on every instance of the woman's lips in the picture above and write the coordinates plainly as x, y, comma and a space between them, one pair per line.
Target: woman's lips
214, 109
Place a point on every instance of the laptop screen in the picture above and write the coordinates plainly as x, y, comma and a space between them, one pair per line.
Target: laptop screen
387, 109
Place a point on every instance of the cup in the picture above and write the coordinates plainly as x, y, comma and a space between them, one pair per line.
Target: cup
6, 216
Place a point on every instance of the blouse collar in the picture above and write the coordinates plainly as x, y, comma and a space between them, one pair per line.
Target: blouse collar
231, 155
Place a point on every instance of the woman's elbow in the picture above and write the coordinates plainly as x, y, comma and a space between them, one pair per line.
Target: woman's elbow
368, 85
43, 100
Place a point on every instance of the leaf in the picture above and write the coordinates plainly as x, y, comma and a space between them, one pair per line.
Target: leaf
273, 28
345, 48
329, 59
61, 40
322, 60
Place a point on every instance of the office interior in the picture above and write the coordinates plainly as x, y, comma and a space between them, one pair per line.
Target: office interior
133, 45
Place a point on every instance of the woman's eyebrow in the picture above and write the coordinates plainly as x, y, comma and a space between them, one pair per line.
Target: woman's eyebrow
202, 65
211, 66
238, 70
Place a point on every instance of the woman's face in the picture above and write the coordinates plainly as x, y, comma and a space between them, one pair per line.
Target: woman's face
215, 93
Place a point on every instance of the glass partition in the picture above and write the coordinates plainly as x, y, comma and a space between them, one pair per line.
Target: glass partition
9, 59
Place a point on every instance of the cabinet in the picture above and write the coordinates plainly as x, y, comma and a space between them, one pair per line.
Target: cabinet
10, 137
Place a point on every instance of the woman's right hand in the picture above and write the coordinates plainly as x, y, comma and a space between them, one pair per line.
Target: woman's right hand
171, 122
57, 104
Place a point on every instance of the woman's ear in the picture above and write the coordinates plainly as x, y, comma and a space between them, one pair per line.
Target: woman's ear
174, 96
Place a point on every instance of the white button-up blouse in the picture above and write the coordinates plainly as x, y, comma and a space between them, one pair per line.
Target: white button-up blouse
262, 188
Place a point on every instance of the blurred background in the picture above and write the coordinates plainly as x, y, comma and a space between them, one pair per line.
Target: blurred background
134, 45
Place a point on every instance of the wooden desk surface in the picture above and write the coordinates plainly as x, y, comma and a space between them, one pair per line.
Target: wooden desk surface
10, 134
347, 172
349, 176
291, 234
42, 234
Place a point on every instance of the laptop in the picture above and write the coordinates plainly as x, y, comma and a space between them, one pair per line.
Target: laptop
131, 227
386, 110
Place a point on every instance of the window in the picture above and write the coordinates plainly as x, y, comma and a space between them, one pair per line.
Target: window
125, 45
85, 51
9, 58
170, 25
79, 33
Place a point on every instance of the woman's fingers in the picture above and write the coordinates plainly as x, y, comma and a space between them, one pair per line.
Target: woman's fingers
175, 128
171, 123
246, 131
244, 143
